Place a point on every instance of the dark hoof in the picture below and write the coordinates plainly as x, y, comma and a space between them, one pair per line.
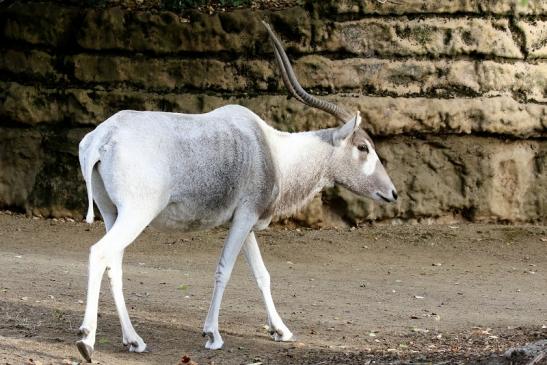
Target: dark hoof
85, 350
135, 344
134, 347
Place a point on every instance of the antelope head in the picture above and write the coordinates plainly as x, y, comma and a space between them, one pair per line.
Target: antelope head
354, 164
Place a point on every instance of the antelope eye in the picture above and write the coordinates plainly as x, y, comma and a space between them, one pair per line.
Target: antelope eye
363, 148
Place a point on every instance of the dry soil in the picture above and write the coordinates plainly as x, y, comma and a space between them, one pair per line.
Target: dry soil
380, 294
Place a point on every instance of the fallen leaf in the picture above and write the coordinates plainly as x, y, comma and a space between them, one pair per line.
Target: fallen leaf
185, 359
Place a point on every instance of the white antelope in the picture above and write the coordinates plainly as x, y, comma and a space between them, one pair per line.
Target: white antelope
198, 171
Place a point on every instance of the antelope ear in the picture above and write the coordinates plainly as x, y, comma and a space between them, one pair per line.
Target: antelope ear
345, 131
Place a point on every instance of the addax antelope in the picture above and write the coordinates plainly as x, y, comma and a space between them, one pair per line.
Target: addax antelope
198, 171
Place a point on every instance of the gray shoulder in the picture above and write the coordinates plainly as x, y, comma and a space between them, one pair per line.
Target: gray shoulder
235, 112
235, 109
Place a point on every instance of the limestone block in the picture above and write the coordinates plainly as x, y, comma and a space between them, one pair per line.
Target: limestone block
30, 64
512, 172
166, 33
429, 36
365, 7
416, 77
41, 23
535, 33
529, 80
20, 162
240, 31
59, 189
357, 75
389, 116
382, 116
30, 105
172, 73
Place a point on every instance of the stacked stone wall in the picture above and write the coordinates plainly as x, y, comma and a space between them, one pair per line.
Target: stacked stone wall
454, 93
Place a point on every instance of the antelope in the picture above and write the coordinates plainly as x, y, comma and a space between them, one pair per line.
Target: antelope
198, 171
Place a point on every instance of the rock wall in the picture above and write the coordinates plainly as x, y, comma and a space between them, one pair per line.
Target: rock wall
454, 93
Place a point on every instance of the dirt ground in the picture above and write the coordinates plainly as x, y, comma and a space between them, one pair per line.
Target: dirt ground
382, 294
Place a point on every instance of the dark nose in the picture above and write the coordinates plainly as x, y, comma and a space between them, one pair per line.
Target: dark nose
394, 193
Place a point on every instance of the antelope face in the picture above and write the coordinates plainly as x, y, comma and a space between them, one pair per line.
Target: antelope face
356, 165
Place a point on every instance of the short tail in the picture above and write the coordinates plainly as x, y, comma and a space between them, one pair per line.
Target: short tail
89, 156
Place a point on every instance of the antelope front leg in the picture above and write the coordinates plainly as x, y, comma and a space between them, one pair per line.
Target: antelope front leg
241, 226
278, 330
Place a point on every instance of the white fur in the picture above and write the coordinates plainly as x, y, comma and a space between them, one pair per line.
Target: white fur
295, 173
372, 160
189, 172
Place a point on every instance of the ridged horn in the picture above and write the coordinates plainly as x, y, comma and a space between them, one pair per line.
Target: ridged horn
294, 87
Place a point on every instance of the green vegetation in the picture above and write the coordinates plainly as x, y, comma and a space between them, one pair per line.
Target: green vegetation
183, 287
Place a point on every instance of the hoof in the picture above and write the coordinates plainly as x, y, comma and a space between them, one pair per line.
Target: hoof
85, 350
139, 348
283, 336
212, 342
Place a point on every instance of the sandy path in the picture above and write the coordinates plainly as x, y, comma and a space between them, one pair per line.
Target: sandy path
390, 292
